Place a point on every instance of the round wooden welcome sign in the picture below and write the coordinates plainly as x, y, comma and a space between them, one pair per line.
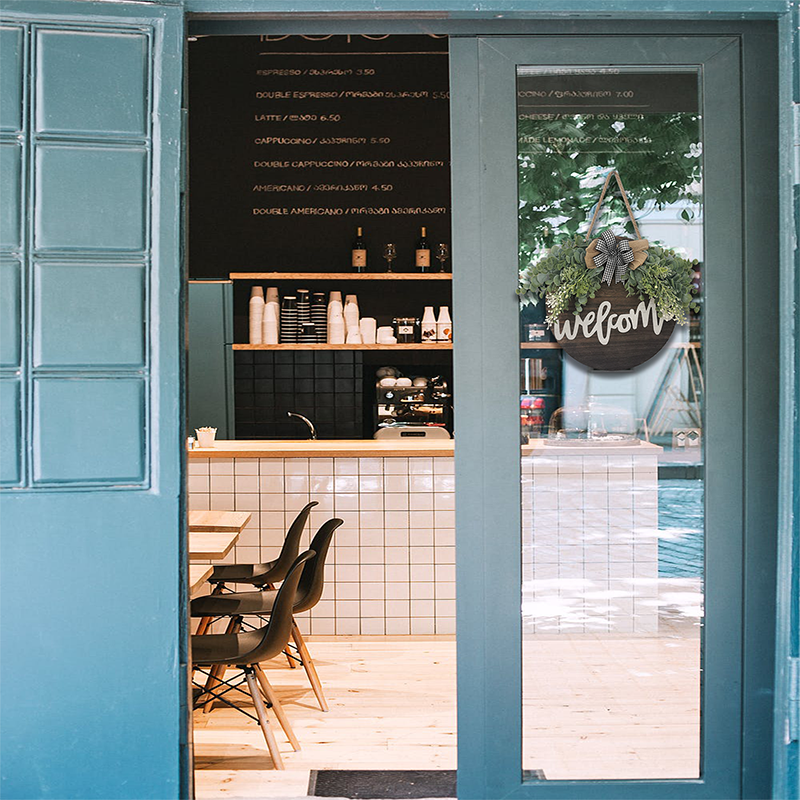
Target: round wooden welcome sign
613, 331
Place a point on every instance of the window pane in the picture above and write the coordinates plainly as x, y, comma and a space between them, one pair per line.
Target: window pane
612, 461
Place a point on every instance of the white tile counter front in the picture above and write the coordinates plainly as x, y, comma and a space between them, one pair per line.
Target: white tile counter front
590, 538
391, 567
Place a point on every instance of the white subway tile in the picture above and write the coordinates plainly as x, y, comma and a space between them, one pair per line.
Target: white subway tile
272, 484
395, 466
370, 466
420, 501
199, 502
270, 466
444, 465
420, 483
222, 502
324, 503
345, 536
396, 519
444, 501
271, 540
422, 555
246, 483
295, 466
370, 483
396, 555
346, 608
423, 572
320, 484
321, 626
222, 483
420, 466
444, 555
398, 591
420, 537
345, 501
345, 466
422, 608
296, 484
348, 627
594, 500
443, 572
346, 590
445, 608
544, 464
396, 537
398, 608
545, 501
370, 519
445, 537
423, 590
399, 572
446, 590
372, 609
420, 519
245, 466
371, 536
346, 555
396, 502
197, 466
221, 466
444, 483
444, 519
198, 483
247, 502
345, 483
445, 625
374, 591
247, 554
422, 625
294, 502
372, 573
371, 502
395, 483
320, 466
371, 555
272, 502
373, 626
249, 537
398, 626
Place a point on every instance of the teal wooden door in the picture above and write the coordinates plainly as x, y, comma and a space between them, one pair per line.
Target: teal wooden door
93, 667
739, 451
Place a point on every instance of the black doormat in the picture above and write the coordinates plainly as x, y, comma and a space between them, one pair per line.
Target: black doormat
389, 784
382, 784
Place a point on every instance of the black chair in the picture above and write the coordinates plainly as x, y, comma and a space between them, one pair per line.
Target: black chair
246, 651
261, 575
240, 604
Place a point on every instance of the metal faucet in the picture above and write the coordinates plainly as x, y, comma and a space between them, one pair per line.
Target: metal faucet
312, 430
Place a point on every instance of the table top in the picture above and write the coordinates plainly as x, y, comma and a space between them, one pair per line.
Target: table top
198, 575
205, 544
218, 521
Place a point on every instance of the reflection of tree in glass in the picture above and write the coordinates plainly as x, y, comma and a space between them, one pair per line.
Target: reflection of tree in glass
563, 161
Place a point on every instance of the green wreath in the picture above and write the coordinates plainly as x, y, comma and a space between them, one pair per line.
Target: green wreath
562, 277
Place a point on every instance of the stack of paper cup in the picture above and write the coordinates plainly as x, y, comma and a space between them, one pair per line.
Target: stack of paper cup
272, 316
351, 313
367, 325
385, 335
256, 314
336, 330
334, 305
353, 335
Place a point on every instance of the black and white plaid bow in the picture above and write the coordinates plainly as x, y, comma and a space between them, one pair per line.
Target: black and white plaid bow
616, 255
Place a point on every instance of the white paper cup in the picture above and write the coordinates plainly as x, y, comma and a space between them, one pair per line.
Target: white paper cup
206, 438
368, 330
353, 335
336, 331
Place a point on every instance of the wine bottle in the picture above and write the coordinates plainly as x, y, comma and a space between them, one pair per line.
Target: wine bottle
423, 252
359, 255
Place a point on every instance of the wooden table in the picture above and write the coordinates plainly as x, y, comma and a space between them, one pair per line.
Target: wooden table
216, 545
198, 575
218, 521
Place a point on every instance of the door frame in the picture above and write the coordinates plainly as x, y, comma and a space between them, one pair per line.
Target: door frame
761, 726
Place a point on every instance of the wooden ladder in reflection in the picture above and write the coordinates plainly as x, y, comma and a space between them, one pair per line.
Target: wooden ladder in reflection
677, 396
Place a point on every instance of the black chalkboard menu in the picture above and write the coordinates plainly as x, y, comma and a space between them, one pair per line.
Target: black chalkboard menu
296, 141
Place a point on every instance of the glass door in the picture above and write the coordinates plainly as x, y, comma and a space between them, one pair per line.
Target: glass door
600, 506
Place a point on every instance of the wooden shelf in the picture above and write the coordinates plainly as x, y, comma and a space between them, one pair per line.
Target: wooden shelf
341, 276
414, 346
540, 346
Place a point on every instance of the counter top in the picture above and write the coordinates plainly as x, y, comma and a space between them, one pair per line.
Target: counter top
325, 448
540, 447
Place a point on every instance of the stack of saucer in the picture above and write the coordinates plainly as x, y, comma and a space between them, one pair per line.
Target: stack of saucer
308, 333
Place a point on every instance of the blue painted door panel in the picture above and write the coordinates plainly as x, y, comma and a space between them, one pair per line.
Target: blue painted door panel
483, 73
91, 554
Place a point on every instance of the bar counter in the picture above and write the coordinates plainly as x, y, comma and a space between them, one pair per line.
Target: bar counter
326, 448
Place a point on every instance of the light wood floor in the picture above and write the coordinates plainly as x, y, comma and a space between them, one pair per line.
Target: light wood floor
594, 707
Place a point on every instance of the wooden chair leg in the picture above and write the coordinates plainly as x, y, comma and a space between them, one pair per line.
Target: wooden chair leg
218, 670
205, 622
308, 665
263, 721
269, 693
288, 653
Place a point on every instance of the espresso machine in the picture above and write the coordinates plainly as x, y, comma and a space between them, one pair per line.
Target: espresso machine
406, 407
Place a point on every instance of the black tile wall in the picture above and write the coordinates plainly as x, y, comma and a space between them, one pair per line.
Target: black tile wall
326, 387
